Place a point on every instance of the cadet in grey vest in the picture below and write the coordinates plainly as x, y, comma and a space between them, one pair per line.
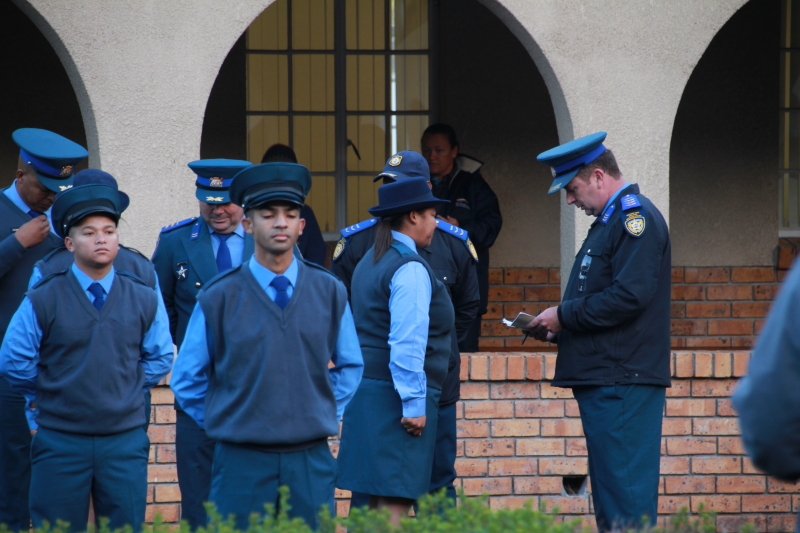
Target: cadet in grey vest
405, 321
45, 165
82, 348
253, 367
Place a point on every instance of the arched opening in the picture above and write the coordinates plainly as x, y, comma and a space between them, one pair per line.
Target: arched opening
37, 92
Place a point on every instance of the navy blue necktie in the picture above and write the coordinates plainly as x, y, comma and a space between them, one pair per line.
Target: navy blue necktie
99, 294
34, 214
223, 253
281, 283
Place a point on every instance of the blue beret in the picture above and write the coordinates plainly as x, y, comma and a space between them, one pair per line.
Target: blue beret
566, 160
405, 164
50, 155
214, 178
76, 203
269, 182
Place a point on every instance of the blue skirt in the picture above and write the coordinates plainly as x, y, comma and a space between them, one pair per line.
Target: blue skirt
377, 455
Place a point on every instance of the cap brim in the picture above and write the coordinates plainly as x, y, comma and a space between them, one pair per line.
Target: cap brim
274, 196
83, 213
124, 201
391, 175
54, 184
213, 197
561, 181
407, 208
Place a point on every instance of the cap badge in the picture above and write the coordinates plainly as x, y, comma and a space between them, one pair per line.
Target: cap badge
66, 171
216, 182
64, 187
395, 160
553, 171
213, 198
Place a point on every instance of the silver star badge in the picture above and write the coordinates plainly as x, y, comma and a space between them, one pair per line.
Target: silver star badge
182, 272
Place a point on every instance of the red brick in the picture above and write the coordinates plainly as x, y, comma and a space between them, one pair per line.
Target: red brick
677, 274
687, 292
565, 504
489, 448
512, 502
719, 504
513, 467
751, 309
713, 387
341, 493
510, 311
550, 366
472, 429
168, 512
164, 414
571, 409
538, 485
753, 275
570, 466
150, 497
483, 342
674, 465
488, 409
680, 388
672, 504
703, 365
162, 473
165, 453
766, 503
576, 447
743, 342
690, 407
723, 367
707, 275
555, 276
515, 390
515, 428
677, 310
691, 445
689, 484
708, 310
540, 447
729, 292
526, 276
748, 467
161, 396
503, 293
495, 276
730, 327
684, 365
676, 426
765, 292
740, 484
687, 327
516, 369
539, 409
725, 408
708, 342
471, 467
716, 426
548, 391
474, 391
786, 254
542, 293
494, 312
492, 485
776, 485
167, 492
562, 428
479, 367
730, 446
492, 328
781, 524
161, 434
716, 465
737, 522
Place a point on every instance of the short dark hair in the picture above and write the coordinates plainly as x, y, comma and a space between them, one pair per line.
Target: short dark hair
267, 205
80, 221
279, 153
442, 129
605, 162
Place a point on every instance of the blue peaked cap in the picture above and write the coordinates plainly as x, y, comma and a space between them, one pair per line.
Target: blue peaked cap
566, 160
95, 176
50, 155
76, 203
214, 178
405, 164
257, 185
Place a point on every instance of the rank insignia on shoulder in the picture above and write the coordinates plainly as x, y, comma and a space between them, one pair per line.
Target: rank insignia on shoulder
451, 229
339, 248
629, 202
634, 223
196, 230
608, 213
473, 252
176, 225
349, 231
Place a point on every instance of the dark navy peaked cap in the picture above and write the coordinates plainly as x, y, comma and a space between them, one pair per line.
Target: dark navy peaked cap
76, 203
404, 196
566, 160
405, 164
270, 182
94, 176
50, 155
214, 178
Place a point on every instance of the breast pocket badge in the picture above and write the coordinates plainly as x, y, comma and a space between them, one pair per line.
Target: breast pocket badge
182, 270
635, 223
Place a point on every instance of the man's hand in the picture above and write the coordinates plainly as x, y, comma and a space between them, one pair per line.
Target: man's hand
449, 220
33, 232
414, 425
33, 432
545, 325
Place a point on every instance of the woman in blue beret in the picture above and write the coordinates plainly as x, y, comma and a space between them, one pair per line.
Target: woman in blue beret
404, 318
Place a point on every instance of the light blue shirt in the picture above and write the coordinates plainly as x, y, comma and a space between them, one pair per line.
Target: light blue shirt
614, 197
19, 353
409, 307
235, 244
190, 375
13, 195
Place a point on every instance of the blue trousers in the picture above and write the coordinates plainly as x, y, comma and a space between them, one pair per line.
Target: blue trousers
195, 452
245, 479
15, 462
623, 436
66, 468
444, 458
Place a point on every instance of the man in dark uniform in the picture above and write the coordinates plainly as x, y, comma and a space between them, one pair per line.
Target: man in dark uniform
612, 330
188, 255
46, 162
473, 206
452, 258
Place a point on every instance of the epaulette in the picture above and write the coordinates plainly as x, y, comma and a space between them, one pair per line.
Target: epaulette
459, 233
134, 250
176, 225
48, 278
629, 202
132, 276
58, 250
634, 222
348, 232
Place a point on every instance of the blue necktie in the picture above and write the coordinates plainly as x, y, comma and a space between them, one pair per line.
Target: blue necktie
223, 253
281, 283
34, 214
99, 294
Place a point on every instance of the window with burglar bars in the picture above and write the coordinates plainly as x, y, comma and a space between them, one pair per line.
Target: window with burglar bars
789, 134
345, 83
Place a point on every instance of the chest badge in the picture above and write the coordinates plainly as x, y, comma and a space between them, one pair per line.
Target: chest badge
634, 224
182, 270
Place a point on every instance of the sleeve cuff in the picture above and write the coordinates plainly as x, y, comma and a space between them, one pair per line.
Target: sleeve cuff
414, 407
561, 316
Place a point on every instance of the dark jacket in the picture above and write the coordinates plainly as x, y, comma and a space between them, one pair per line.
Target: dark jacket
311, 243
616, 320
475, 206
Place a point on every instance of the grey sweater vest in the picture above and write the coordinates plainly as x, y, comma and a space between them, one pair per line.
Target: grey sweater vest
127, 260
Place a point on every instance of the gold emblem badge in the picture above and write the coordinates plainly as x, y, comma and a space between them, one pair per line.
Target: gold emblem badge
213, 198
634, 223
395, 160
472, 249
553, 171
216, 182
66, 171
339, 248
64, 187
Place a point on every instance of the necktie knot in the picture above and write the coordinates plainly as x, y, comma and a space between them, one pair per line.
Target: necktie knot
281, 283
34, 214
223, 236
99, 294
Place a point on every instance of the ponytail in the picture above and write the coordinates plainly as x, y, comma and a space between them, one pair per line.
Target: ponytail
383, 235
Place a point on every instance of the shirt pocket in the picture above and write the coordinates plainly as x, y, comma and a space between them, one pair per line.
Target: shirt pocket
447, 277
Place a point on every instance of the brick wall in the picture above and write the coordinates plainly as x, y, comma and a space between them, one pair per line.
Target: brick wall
519, 437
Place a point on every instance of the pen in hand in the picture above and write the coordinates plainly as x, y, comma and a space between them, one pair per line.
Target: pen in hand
527, 332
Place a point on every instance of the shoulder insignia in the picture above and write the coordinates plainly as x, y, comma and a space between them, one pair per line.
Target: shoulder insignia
472, 251
452, 230
339, 248
608, 213
629, 202
176, 225
196, 229
634, 223
361, 226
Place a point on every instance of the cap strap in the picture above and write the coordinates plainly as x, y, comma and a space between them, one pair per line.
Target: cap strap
45, 168
579, 162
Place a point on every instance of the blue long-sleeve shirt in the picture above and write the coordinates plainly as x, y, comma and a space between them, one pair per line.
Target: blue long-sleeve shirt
13, 195
19, 353
190, 375
409, 304
235, 244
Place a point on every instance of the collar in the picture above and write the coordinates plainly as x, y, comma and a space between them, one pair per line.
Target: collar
405, 239
611, 200
264, 276
17, 200
238, 231
85, 280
